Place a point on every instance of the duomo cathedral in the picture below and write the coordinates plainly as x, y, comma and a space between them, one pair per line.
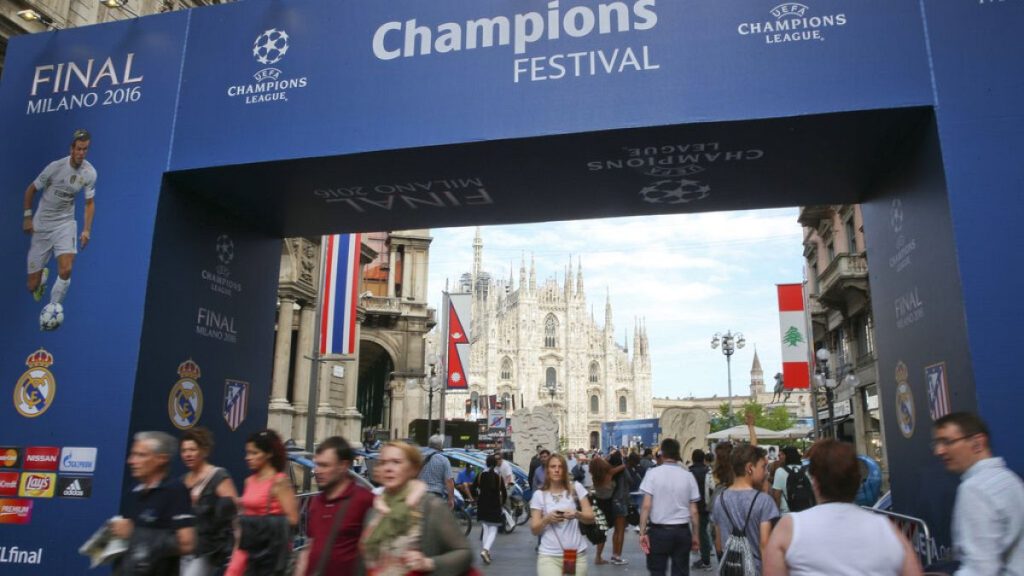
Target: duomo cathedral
540, 345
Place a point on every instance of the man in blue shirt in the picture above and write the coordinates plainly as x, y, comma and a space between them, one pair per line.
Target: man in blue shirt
988, 516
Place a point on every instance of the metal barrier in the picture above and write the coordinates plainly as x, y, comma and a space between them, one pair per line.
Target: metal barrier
916, 531
300, 539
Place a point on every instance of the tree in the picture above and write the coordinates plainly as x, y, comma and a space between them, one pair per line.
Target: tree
792, 337
725, 418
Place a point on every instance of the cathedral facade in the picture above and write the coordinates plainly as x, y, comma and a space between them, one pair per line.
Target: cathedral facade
539, 345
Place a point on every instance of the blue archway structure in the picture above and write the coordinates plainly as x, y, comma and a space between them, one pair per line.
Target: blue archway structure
217, 132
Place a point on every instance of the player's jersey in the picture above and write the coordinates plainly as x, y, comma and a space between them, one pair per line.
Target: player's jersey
59, 184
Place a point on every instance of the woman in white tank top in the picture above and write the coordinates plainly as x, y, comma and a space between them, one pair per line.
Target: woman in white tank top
837, 537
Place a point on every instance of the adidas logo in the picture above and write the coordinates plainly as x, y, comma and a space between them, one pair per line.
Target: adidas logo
74, 489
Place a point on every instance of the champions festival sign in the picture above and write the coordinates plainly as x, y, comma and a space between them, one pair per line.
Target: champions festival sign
214, 133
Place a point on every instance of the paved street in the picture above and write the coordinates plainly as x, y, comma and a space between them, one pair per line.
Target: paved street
513, 555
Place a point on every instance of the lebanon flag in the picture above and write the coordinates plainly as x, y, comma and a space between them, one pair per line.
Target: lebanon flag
339, 285
458, 340
796, 371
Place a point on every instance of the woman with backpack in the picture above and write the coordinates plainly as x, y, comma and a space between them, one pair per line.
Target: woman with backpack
836, 536
555, 513
744, 514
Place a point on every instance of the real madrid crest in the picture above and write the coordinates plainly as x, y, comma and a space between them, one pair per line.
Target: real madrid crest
34, 392
185, 404
905, 416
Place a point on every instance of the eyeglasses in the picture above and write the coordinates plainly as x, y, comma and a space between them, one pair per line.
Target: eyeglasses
947, 442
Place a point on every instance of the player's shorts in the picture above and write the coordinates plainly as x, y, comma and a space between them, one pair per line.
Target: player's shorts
45, 244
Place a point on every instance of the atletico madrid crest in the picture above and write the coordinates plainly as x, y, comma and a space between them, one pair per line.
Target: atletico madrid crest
236, 402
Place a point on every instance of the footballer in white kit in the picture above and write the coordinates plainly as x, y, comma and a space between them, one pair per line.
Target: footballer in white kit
52, 225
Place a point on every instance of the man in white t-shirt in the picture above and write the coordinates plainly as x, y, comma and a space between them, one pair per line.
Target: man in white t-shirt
53, 226
668, 511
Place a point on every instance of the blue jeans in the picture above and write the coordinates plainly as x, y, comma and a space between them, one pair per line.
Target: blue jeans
669, 543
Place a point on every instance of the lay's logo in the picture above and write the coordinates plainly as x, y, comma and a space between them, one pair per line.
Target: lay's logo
37, 484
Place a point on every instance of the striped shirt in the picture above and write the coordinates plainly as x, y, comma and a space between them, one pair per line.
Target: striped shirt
988, 521
436, 472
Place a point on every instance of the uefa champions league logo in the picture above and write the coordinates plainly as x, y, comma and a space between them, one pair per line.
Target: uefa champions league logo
225, 249
673, 191
270, 46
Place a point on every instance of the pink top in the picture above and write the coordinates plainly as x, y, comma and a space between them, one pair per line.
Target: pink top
257, 494
254, 503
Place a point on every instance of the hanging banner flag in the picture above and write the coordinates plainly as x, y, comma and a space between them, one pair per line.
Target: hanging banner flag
338, 290
796, 371
459, 306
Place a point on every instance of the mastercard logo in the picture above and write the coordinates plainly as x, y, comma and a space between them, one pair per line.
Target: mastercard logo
8, 457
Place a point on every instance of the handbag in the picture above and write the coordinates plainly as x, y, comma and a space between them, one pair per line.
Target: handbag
266, 540
596, 533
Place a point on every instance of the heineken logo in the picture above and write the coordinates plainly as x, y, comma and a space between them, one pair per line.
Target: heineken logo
793, 337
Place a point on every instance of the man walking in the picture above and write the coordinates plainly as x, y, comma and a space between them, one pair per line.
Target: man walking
988, 516
700, 474
158, 521
437, 472
52, 226
335, 515
669, 513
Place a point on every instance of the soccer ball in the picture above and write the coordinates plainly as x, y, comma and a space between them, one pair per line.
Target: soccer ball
675, 192
270, 46
225, 249
51, 317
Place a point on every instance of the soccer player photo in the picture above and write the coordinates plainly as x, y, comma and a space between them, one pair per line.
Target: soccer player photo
53, 227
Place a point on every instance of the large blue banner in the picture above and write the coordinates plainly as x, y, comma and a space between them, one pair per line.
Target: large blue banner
279, 80
67, 426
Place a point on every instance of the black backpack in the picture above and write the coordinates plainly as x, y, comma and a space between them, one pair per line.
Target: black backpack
799, 494
578, 473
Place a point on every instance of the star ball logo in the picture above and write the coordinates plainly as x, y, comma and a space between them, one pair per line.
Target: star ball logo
270, 47
271, 84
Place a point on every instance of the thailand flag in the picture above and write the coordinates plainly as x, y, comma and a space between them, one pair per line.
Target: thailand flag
338, 290
796, 371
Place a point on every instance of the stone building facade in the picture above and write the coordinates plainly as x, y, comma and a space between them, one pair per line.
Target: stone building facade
537, 344
839, 298
375, 392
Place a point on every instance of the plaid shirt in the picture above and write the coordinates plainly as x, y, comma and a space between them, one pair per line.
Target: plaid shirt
435, 472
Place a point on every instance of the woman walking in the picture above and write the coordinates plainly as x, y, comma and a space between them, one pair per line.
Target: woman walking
490, 502
213, 497
604, 490
836, 536
267, 493
555, 513
410, 531
745, 505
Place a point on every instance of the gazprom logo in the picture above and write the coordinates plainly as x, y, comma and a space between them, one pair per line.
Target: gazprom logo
81, 460
406, 39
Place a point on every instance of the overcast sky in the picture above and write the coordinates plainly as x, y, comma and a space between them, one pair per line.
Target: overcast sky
689, 276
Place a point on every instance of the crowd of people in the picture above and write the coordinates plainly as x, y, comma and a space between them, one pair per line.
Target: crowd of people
793, 517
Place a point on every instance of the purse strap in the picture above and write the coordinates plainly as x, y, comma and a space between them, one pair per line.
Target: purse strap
335, 526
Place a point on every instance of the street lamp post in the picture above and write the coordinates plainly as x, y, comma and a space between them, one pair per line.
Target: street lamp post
730, 343
844, 372
433, 384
